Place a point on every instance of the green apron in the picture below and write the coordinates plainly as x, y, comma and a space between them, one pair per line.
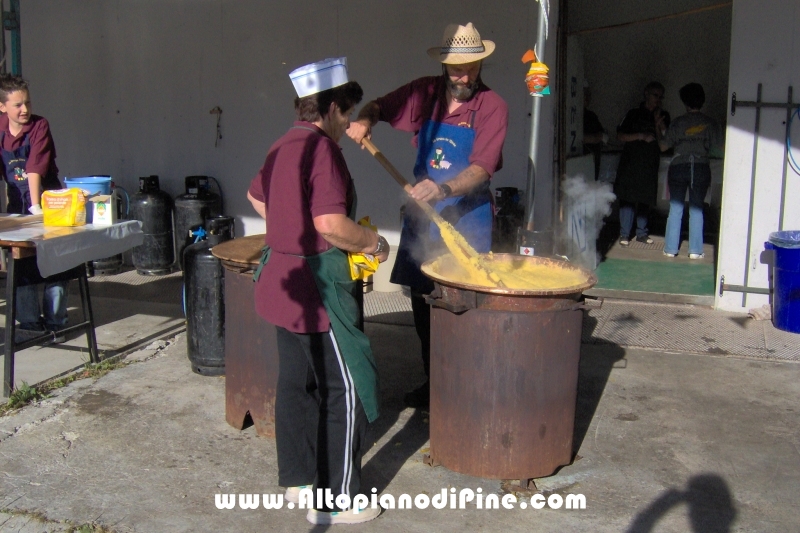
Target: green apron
339, 296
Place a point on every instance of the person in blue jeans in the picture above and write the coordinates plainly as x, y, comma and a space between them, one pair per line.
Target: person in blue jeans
636, 184
29, 168
694, 136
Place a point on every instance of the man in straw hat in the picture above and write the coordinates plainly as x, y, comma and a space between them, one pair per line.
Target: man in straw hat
459, 127
327, 386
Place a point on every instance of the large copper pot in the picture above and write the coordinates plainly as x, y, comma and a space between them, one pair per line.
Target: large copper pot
504, 374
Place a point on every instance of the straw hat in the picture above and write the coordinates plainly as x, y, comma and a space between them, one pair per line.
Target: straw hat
461, 44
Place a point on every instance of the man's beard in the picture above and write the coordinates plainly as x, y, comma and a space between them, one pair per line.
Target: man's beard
462, 91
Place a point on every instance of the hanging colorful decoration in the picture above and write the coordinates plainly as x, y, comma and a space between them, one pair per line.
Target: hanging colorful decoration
537, 78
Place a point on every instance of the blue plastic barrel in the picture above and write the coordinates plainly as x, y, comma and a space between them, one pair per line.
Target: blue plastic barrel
785, 280
92, 184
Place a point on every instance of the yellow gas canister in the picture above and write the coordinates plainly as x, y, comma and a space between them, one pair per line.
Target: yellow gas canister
64, 207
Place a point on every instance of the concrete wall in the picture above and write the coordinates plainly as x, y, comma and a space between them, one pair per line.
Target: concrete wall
765, 49
128, 85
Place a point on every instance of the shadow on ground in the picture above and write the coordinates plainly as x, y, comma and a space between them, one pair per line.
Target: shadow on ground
595, 368
709, 501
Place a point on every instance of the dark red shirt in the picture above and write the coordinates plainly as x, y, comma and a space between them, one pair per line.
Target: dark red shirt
408, 107
304, 176
43, 151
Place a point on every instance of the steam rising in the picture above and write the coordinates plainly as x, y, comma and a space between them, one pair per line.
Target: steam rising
585, 204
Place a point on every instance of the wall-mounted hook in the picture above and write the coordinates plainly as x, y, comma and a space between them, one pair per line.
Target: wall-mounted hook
217, 110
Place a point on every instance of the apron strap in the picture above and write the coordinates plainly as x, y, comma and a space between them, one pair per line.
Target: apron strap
265, 251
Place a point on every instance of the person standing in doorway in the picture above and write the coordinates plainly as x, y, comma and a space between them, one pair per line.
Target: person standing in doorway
636, 184
693, 136
459, 128
29, 164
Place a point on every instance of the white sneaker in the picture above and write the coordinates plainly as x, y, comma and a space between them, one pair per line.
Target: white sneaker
342, 517
696, 256
292, 494
670, 255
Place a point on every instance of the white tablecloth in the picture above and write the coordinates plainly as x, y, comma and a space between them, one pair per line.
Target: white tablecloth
59, 249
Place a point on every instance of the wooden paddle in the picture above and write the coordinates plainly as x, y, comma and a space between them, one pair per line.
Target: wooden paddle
460, 249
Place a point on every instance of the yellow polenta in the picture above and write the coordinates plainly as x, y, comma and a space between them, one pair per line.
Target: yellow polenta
473, 269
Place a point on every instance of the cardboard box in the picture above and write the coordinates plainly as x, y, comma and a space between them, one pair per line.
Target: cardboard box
101, 209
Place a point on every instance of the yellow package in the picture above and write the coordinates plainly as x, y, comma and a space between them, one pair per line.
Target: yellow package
363, 265
64, 207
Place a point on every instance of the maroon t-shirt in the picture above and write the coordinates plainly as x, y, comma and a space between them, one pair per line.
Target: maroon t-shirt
43, 151
408, 107
304, 176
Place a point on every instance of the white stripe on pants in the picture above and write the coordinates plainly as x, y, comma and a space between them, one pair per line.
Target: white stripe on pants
320, 424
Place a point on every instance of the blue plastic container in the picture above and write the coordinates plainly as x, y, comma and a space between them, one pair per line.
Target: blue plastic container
92, 184
785, 280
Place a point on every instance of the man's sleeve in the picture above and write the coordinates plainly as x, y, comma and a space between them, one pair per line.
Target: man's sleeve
403, 108
42, 149
490, 134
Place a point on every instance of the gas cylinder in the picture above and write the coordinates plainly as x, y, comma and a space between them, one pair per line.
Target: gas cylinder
192, 209
204, 299
153, 208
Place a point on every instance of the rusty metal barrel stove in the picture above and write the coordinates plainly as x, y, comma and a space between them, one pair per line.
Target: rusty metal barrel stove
504, 374
251, 350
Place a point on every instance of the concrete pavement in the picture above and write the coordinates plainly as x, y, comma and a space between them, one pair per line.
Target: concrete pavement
130, 311
666, 440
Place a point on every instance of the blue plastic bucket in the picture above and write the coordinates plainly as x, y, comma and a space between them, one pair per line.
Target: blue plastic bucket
785, 280
92, 184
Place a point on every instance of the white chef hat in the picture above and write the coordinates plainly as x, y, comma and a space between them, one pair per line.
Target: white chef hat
319, 76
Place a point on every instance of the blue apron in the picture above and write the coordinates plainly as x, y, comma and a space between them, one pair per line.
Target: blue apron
444, 151
18, 190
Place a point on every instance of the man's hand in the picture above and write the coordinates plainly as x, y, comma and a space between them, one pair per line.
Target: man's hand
361, 127
659, 118
426, 191
358, 130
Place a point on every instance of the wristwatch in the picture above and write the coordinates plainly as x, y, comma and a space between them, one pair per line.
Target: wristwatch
382, 245
446, 190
